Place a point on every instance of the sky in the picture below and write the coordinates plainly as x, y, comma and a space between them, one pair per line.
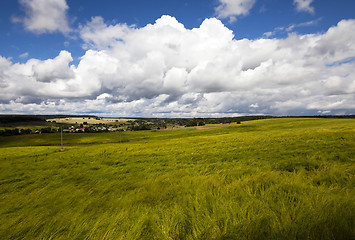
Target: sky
177, 58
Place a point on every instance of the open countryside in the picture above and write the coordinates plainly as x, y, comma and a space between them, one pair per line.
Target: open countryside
177, 120
283, 178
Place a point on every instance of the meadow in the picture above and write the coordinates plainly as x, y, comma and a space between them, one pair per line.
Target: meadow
265, 179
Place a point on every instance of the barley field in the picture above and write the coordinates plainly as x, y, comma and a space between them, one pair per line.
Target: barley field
265, 179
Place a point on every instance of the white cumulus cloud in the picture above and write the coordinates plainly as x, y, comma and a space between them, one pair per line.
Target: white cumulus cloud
96, 34
166, 69
304, 5
53, 69
45, 16
233, 8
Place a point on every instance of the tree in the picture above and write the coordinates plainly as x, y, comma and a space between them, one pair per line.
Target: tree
46, 130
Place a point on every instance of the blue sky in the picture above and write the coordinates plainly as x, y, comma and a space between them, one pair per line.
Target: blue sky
247, 43
265, 16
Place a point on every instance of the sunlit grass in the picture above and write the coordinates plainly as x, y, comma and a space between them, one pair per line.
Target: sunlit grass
265, 179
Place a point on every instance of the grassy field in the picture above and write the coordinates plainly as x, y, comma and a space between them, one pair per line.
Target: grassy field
265, 179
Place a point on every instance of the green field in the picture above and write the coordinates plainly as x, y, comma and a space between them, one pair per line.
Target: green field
264, 179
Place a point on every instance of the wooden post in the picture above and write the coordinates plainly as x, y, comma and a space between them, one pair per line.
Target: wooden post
61, 138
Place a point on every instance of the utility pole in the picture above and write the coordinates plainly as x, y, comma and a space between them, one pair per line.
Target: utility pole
61, 138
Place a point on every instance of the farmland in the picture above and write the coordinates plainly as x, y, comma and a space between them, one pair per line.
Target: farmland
265, 179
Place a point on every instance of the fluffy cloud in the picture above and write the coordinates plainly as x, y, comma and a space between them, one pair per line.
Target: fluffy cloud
53, 69
165, 69
304, 5
233, 8
45, 16
96, 34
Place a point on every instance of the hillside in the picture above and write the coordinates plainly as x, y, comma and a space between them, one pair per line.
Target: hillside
265, 179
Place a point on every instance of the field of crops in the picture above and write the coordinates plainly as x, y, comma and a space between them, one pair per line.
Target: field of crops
264, 179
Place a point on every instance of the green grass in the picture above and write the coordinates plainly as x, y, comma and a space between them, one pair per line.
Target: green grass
265, 179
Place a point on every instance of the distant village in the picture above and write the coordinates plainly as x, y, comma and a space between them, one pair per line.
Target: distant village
81, 129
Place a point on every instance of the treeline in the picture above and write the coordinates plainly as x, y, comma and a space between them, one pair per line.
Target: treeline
6, 119
16, 131
146, 123
190, 122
